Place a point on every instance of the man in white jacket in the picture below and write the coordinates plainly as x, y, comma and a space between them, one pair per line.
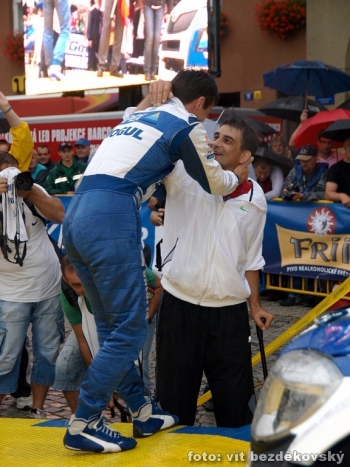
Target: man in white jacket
212, 255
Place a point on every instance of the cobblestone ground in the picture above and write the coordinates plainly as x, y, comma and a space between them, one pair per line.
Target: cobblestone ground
56, 406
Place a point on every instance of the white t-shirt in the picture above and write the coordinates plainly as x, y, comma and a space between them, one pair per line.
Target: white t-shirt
40, 277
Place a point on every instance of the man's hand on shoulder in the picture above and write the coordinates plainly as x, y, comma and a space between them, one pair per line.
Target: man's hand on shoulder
159, 92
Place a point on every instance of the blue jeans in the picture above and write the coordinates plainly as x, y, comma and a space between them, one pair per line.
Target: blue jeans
153, 25
70, 366
48, 334
102, 237
55, 55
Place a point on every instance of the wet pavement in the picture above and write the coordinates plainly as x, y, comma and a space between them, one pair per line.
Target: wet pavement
57, 408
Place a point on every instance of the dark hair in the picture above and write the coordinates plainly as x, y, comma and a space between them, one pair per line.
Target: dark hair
249, 139
66, 263
43, 146
7, 159
262, 161
189, 85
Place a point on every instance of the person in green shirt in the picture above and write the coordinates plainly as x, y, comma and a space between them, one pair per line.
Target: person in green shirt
82, 343
63, 177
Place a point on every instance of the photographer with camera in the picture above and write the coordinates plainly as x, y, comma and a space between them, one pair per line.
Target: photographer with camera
30, 281
307, 179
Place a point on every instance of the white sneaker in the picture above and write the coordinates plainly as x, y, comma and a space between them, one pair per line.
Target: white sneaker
23, 403
55, 73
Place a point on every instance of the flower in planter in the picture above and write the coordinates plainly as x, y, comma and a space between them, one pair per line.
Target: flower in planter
12, 46
280, 17
224, 27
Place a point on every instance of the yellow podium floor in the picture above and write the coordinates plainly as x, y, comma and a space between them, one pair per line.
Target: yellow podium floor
39, 443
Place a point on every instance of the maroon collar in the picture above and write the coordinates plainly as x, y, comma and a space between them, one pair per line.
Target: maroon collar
242, 189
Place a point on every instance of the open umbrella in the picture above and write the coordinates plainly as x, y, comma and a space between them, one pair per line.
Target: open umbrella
258, 126
290, 107
309, 130
4, 124
307, 77
338, 131
283, 162
344, 105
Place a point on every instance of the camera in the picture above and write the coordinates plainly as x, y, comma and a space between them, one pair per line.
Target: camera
24, 181
291, 188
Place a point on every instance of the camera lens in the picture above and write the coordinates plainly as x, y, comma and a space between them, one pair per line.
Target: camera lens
24, 181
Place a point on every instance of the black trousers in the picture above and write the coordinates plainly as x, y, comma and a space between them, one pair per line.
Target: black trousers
192, 339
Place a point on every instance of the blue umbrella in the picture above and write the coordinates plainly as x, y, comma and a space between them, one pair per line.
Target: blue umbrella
307, 77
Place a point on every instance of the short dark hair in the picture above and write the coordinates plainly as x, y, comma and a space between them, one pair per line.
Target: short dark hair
43, 146
249, 139
262, 161
7, 159
189, 85
66, 263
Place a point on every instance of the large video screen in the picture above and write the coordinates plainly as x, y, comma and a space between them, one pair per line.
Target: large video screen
99, 44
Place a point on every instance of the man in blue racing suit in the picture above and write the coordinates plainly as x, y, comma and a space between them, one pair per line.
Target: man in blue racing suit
102, 236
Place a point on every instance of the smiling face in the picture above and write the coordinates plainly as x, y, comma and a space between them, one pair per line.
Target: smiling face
227, 143
43, 155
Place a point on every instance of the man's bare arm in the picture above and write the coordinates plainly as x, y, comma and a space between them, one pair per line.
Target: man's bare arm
256, 310
51, 208
332, 194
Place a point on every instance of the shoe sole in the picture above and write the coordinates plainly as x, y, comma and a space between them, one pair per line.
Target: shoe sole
138, 433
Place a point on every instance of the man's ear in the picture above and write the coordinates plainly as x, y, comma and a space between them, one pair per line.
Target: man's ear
246, 155
65, 280
198, 104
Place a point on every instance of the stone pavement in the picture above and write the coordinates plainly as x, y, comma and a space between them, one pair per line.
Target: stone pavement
56, 406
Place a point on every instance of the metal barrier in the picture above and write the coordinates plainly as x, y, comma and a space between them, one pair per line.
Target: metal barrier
301, 285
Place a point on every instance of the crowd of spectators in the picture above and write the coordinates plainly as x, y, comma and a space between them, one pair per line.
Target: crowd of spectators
114, 33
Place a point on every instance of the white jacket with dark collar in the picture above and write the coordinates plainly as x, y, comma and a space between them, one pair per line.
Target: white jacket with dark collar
210, 243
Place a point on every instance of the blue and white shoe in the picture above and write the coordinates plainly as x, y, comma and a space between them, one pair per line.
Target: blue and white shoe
94, 436
55, 73
150, 419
